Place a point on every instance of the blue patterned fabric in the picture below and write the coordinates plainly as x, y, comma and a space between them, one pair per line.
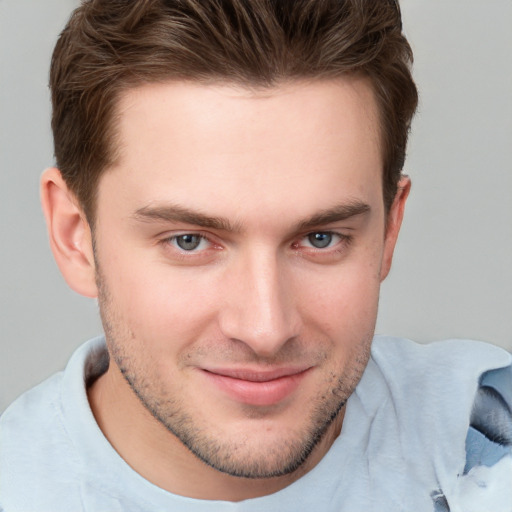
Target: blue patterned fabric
489, 437
490, 434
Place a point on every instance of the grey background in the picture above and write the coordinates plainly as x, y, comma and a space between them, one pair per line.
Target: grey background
452, 274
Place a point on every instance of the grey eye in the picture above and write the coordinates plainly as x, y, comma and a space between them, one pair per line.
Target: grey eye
188, 242
320, 240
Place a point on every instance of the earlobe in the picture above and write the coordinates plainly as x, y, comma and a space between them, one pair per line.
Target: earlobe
69, 233
393, 223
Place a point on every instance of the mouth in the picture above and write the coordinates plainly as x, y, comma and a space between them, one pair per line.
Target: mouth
259, 388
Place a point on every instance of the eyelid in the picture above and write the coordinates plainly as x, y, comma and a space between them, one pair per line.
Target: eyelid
323, 232
344, 240
167, 239
201, 242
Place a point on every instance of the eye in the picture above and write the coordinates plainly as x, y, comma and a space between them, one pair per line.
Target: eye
189, 242
321, 239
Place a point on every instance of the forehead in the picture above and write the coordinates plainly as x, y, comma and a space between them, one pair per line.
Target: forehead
223, 145
296, 106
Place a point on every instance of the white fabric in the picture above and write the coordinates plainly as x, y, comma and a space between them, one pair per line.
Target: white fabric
403, 439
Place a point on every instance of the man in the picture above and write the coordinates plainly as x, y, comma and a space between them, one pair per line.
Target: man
229, 187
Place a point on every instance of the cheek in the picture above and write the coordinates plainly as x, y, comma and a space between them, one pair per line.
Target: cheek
160, 303
349, 316
346, 316
173, 307
346, 296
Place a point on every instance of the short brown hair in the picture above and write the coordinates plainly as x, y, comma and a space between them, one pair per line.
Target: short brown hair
109, 46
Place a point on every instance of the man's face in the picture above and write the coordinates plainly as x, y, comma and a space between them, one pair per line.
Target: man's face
239, 249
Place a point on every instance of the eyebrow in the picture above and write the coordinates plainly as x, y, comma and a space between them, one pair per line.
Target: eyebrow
336, 214
176, 213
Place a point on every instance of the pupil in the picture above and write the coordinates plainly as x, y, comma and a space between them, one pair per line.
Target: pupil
188, 242
320, 240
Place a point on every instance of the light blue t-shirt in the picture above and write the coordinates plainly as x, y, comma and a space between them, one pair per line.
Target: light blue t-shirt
409, 442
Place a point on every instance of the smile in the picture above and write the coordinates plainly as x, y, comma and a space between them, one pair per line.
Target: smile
257, 388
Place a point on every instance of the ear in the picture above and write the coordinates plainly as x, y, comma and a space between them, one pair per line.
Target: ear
69, 233
393, 223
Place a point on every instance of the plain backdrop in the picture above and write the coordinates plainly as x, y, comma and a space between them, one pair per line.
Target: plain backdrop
452, 274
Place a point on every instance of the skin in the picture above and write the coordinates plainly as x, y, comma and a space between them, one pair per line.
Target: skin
257, 178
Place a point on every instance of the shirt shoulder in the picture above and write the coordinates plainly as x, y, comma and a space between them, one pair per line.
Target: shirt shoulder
461, 391
441, 372
37, 457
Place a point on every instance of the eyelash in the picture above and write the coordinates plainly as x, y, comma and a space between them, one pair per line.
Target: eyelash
343, 240
170, 243
175, 238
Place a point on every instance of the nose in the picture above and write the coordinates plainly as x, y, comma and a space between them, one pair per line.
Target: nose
259, 307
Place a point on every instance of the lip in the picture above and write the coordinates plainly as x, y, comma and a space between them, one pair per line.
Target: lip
253, 387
